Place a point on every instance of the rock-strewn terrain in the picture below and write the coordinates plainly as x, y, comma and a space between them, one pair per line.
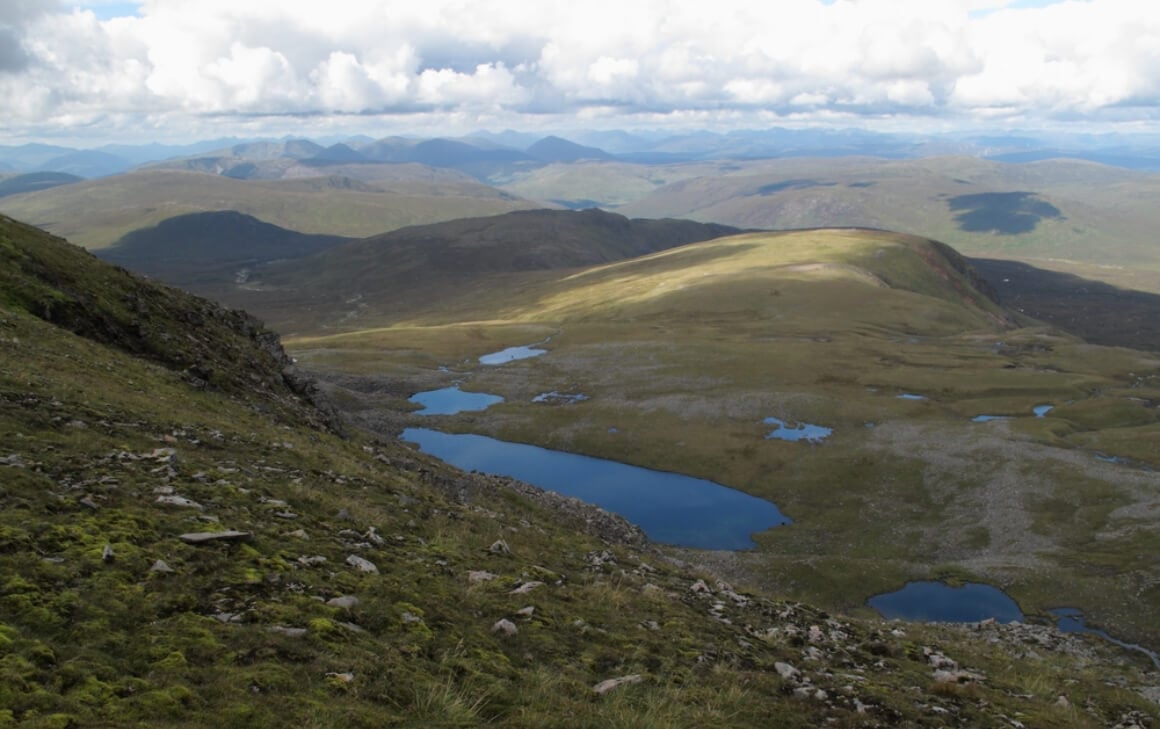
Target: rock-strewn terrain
180, 550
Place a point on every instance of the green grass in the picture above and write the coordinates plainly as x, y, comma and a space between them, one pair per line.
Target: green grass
686, 351
97, 213
1105, 228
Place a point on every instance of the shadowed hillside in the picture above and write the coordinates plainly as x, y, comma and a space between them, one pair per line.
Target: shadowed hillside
408, 270
33, 181
188, 249
1096, 311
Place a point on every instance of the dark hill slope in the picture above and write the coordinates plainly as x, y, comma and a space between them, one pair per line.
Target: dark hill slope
187, 248
519, 241
32, 181
407, 269
177, 557
556, 149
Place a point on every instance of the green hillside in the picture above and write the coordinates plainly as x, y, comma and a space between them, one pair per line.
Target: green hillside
405, 270
890, 340
1103, 216
186, 541
97, 213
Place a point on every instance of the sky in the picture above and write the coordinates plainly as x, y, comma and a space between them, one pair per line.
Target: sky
88, 72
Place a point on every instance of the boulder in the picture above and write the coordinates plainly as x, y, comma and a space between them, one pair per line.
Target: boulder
362, 565
505, 627
210, 537
607, 685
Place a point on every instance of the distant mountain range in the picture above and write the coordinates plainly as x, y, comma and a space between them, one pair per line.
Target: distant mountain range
488, 156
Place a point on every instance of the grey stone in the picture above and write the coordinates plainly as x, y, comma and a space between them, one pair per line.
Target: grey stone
346, 602
526, 588
362, 565
609, 684
289, 632
505, 627
786, 671
500, 547
160, 566
181, 501
209, 537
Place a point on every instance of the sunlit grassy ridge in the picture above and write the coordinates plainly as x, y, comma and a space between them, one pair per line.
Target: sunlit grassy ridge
683, 353
111, 451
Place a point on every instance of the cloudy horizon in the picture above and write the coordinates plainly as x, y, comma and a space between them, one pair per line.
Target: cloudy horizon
96, 71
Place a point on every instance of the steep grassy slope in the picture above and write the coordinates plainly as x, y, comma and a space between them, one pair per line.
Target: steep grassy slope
355, 583
683, 353
99, 212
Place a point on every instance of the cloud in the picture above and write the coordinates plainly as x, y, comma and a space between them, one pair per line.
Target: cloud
15, 15
187, 61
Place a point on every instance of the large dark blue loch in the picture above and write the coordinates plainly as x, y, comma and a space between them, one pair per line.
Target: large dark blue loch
670, 507
938, 602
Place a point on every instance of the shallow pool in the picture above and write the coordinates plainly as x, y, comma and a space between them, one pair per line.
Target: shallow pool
938, 602
451, 400
511, 354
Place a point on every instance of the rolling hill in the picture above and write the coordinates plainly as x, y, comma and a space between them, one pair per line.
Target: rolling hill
33, 181
401, 271
97, 213
1047, 212
186, 540
190, 249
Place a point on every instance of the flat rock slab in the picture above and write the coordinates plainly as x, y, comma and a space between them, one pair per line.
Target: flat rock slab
208, 537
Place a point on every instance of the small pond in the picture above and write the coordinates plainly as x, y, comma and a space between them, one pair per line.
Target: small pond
799, 431
670, 507
511, 354
451, 400
911, 396
989, 418
1042, 410
1071, 620
560, 398
938, 602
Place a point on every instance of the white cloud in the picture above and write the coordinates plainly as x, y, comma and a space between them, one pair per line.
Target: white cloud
189, 61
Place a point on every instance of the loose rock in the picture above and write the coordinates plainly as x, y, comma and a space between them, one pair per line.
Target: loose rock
208, 537
178, 501
505, 627
362, 565
605, 686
